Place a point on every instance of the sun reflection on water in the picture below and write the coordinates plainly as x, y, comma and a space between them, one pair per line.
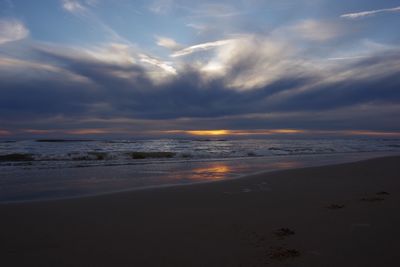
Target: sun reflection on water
215, 171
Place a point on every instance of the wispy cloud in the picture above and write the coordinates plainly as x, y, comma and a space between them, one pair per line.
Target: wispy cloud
214, 10
161, 6
82, 9
313, 30
198, 27
12, 30
200, 47
73, 6
203, 9
77, 6
347, 58
168, 43
363, 14
10, 66
166, 66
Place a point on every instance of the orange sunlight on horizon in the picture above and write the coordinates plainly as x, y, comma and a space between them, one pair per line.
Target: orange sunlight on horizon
237, 132
209, 132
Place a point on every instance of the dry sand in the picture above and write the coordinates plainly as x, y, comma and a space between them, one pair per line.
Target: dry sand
342, 215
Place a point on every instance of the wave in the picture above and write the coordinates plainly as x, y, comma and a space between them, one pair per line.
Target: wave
42, 153
16, 157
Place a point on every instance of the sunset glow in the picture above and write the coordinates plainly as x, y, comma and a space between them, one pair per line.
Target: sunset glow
87, 131
209, 132
4, 132
236, 132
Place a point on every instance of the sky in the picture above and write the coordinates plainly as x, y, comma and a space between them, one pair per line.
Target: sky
155, 68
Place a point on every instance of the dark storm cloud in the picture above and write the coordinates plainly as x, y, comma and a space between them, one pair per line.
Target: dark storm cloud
375, 79
185, 95
78, 85
372, 79
24, 99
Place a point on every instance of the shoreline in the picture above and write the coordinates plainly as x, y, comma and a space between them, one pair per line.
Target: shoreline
340, 215
254, 166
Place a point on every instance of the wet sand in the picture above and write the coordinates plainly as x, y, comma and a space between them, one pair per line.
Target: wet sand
341, 215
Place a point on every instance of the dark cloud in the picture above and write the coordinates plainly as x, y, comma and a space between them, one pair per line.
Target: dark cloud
80, 86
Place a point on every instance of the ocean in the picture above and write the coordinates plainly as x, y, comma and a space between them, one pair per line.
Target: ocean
32, 170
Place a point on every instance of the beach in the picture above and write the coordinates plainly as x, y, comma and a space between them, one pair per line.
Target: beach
338, 215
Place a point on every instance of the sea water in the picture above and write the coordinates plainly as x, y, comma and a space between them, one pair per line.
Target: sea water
48, 169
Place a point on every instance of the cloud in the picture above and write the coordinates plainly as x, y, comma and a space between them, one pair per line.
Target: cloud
73, 6
161, 6
115, 63
347, 58
200, 47
269, 79
166, 66
363, 14
10, 67
246, 81
83, 10
313, 30
204, 9
108, 54
198, 27
215, 10
168, 43
12, 30
247, 62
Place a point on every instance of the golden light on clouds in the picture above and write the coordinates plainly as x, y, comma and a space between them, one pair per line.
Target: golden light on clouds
209, 132
285, 131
